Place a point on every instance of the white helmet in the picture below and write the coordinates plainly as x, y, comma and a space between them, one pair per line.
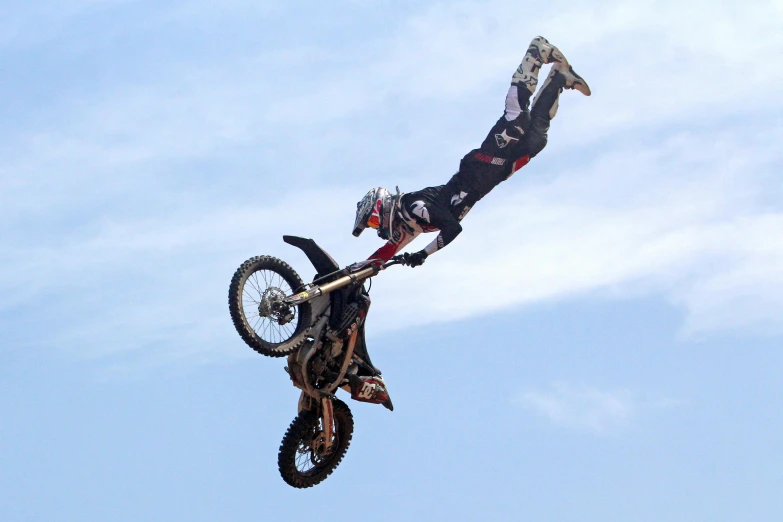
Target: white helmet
377, 210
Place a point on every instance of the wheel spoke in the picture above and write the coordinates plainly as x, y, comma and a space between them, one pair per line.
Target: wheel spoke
276, 333
250, 297
262, 288
253, 280
268, 325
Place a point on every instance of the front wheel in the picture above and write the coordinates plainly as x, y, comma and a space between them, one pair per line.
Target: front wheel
303, 459
255, 300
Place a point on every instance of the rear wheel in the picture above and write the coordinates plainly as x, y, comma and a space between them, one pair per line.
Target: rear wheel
303, 459
255, 300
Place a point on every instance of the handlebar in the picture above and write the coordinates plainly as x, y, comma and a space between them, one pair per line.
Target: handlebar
396, 260
352, 277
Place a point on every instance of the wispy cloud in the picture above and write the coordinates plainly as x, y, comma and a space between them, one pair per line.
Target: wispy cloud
656, 184
676, 220
582, 408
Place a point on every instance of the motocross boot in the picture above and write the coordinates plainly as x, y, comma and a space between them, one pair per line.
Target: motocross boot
572, 80
543, 52
546, 103
562, 76
539, 52
370, 389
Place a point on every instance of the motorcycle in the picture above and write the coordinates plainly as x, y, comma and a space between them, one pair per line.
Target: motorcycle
319, 326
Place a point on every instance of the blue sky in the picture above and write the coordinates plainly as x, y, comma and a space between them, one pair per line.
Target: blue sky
603, 341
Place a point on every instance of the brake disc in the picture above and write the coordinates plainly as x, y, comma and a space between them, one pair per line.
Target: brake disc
271, 306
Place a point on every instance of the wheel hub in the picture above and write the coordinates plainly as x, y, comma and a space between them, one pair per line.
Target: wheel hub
272, 306
318, 449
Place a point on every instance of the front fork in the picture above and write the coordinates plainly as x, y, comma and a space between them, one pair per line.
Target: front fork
315, 291
325, 410
327, 421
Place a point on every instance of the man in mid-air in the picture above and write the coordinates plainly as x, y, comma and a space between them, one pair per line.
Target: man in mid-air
519, 135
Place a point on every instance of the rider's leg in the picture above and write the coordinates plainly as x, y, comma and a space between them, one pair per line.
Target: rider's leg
545, 105
525, 78
539, 52
457, 196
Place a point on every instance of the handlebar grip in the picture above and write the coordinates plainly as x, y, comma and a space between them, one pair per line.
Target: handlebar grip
396, 260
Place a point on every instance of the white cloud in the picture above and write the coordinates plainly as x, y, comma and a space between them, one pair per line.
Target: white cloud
582, 408
631, 223
648, 62
652, 185
126, 286
676, 221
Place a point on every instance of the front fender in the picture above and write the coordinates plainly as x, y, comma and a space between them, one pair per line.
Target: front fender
321, 260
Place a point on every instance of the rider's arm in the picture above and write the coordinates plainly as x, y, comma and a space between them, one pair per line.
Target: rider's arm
388, 250
449, 227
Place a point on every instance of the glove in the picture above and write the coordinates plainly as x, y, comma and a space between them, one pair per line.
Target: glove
415, 259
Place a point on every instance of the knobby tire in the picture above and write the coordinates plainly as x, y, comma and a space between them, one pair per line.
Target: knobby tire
240, 317
298, 438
